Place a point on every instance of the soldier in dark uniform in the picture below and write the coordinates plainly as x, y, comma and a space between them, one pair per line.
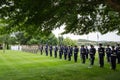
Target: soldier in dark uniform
76, 53
83, 53
71, 50
101, 53
118, 53
55, 51
113, 58
108, 50
92, 55
41, 49
50, 48
65, 49
46, 50
60, 52
87, 52
0, 46
69, 54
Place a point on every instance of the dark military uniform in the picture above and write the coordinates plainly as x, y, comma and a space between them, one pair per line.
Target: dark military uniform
69, 54
113, 58
46, 50
65, 49
1, 47
108, 50
71, 50
83, 54
87, 52
50, 48
118, 54
92, 55
75, 53
60, 52
55, 51
101, 53
41, 49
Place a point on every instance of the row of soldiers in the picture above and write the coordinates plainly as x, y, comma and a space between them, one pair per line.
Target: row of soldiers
67, 51
112, 54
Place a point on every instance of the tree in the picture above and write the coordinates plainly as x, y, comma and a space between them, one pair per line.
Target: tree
78, 16
22, 38
40, 39
50, 39
33, 41
68, 41
5, 41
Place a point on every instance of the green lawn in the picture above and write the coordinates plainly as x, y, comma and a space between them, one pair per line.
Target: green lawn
16, 65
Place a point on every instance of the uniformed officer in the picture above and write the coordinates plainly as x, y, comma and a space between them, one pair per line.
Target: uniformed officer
108, 50
87, 52
71, 50
75, 53
101, 53
46, 50
41, 49
60, 51
118, 53
83, 54
113, 58
69, 54
0, 46
65, 49
55, 51
92, 54
50, 48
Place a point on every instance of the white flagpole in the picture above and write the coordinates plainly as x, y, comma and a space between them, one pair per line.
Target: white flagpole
97, 38
87, 39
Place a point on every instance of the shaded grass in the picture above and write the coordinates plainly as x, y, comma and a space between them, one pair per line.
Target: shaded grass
16, 65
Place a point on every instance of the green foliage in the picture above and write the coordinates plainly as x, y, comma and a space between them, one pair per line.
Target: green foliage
52, 39
68, 41
33, 41
3, 27
22, 38
5, 39
39, 39
25, 38
42, 16
13, 41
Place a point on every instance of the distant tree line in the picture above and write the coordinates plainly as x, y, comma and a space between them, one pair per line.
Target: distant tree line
20, 38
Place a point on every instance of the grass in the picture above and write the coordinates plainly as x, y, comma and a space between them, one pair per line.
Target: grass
16, 65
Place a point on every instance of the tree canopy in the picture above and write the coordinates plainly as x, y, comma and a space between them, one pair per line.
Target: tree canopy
78, 16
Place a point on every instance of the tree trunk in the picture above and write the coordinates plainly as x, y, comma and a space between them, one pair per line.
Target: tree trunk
3, 47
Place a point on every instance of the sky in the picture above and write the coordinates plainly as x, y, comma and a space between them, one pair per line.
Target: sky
112, 36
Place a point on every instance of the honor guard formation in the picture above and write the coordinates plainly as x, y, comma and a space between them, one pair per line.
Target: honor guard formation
112, 53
